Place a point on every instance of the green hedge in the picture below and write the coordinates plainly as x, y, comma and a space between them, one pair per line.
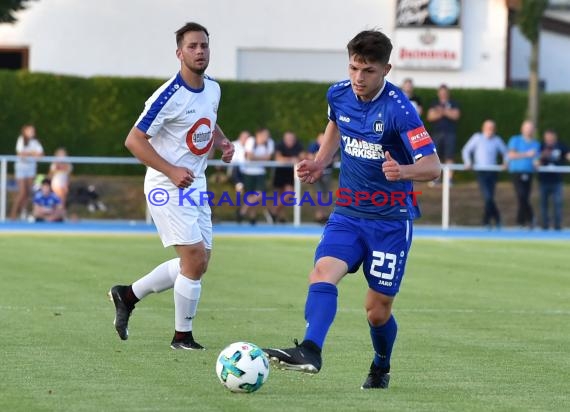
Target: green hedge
92, 116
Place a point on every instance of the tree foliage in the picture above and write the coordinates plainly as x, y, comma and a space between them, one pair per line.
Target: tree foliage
8, 8
529, 17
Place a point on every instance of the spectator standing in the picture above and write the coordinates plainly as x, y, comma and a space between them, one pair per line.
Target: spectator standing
235, 172
239, 158
324, 184
288, 150
59, 172
408, 89
258, 148
47, 205
523, 151
28, 150
480, 151
552, 153
444, 113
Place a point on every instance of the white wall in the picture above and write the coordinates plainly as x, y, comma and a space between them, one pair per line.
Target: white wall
554, 59
135, 37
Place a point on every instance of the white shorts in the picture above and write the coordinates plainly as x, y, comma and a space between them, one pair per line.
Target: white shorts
25, 170
180, 225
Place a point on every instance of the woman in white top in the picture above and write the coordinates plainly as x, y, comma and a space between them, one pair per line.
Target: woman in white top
261, 148
59, 172
28, 149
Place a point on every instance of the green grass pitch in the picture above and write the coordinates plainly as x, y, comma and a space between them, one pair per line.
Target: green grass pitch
483, 325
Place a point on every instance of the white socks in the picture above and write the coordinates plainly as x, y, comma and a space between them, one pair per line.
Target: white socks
186, 297
159, 279
186, 291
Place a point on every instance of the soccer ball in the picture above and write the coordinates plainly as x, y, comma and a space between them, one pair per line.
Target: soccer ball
242, 367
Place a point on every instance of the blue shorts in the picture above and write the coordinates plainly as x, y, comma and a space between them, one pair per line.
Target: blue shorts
381, 246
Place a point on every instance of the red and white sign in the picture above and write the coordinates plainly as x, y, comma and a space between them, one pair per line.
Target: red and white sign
419, 137
435, 49
199, 138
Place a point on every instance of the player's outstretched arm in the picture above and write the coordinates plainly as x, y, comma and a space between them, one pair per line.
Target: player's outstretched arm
222, 143
424, 170
311, 170
138, 144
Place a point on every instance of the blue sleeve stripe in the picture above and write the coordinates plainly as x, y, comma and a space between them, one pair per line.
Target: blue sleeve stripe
157, 106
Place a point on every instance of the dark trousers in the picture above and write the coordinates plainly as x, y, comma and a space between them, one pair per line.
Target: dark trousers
523, 187
551, 190
487, 182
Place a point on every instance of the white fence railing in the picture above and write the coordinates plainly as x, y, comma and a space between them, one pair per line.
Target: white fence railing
4, 160
445, 187
446, 183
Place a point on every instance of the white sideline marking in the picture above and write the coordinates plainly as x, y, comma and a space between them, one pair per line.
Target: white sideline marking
553, 312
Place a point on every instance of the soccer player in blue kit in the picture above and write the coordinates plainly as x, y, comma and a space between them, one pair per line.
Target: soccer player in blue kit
384, 147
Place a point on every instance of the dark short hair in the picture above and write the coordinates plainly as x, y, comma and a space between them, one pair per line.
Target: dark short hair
371, 46
191, 26
46, 181
551, 131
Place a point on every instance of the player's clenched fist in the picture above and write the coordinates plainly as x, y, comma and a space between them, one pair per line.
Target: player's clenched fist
181, 177
227, 148
391, 169
309, 171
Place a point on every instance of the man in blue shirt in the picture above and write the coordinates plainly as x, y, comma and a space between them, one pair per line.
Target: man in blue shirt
481, 150
523, 151
384, 147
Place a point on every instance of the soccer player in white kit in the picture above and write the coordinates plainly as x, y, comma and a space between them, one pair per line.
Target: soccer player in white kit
173, 137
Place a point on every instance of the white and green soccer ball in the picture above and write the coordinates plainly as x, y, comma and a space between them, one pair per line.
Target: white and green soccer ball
242, 367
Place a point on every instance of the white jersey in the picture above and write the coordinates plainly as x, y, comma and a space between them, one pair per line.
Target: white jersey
181, 122
258, 150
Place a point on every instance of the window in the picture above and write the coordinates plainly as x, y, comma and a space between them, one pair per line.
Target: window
559, 4
14, 58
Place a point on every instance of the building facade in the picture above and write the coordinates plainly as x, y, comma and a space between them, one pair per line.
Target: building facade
463, 43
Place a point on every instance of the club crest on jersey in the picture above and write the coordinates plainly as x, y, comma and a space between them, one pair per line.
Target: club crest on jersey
378, 126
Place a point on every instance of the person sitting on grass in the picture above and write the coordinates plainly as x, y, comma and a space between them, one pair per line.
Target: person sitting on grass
47, 206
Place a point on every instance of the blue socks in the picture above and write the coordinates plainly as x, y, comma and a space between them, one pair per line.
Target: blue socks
320, 310
383, 338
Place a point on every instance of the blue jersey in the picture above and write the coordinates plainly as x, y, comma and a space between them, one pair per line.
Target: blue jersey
390, 123
50, 201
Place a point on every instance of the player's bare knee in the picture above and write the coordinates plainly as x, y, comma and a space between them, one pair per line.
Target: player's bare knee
194, 268
378, 313
318, 275
205, 268
378, 316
